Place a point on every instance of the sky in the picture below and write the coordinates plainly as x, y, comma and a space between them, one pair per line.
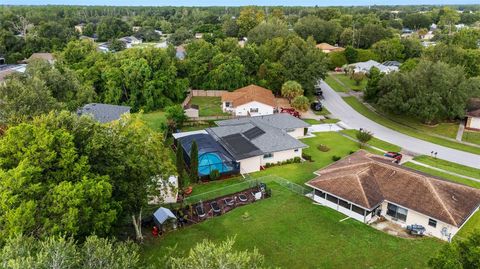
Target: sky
236, 2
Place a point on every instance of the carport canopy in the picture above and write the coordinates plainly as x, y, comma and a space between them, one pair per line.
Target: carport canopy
163, 214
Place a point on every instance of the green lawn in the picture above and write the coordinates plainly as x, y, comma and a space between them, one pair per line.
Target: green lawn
154, 119
350, 83
375, 142
311, 121
323, 112
209, 106
334, 84
472, 225
362, 109
291, 232
433, 172
449, 166
472, 137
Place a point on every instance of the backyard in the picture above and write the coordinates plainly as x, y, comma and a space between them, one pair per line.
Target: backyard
208, 106
291, 232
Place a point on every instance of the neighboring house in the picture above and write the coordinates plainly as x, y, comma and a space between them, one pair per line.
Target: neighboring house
104, 47
103, 113
191, 111
364, 67
289, 124
251, 100
130, 41
198, 35
79, 28
136, 28
244, 146
327, 48
254, 144
429, 35
180, 52
392, 63
83, 37
41, 56
365, 186
473, 114
8, 69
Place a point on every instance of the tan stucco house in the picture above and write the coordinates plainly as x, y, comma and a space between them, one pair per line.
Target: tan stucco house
366, 187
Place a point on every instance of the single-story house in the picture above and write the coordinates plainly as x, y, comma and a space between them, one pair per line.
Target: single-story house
244, 145
79, 27
287, 123
251, 100
130, 41
473, 114
364, 67
327, 48
365, 187
45, 56
103, 113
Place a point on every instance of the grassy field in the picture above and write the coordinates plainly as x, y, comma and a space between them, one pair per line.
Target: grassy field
375, 142
472, 137
291, 232
334, 84
449, 166
433, 172
350, 83
362, 109
154, 119
209, 106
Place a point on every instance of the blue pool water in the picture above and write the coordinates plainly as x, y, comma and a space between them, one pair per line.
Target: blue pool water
211, 161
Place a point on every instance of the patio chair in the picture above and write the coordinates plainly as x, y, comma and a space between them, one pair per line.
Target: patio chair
242, 197
229, 201
200, 211
215, 207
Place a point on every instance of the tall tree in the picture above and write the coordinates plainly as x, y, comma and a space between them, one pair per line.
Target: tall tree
460, 254
291, 89
180, 164
194, 161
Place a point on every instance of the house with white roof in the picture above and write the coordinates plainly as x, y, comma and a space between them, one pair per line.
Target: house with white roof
364, 67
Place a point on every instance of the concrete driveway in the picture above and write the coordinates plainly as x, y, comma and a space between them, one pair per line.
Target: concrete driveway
341, 110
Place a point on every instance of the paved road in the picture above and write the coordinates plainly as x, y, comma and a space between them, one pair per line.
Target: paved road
335, 104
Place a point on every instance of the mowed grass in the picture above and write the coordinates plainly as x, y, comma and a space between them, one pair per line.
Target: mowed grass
155, 120
350, 84
291, 232
472, 137
443, 175
449, 166
335, 84
362, 109
208, 106
375, 142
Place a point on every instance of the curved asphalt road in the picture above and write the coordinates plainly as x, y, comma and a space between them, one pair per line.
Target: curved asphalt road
340, 109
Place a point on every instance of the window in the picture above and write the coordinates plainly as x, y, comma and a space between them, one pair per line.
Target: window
268, 156
358, 210
332, 199
320, 193
254, 110
397, 212
296, 150
432, 222
227, 104
344, 203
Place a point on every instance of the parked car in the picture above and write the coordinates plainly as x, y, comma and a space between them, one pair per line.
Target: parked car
338, 69
318, 92
394, 155
316, 106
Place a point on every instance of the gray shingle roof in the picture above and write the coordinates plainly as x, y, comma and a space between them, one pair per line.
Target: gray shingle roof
272, 140
103, 113
282, 121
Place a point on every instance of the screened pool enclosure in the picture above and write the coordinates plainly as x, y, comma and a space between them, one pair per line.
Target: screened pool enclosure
211, 155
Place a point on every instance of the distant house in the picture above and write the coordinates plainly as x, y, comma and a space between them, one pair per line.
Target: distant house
8, 69
473, 114
48, 57
427, 44
83, 37
365, 187
392, 63
327, 48
364, 67
429, 35
158, 32
130, 41
198, 35
104, 47
180, 52
251, 100
161, 45
136, 28
79, 28
103, 113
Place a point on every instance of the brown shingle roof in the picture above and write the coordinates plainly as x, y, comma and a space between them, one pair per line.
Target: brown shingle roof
42, 56
249, 94
367, 180
473, 107
328, 47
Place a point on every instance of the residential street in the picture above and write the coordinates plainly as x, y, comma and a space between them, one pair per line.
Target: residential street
340, 109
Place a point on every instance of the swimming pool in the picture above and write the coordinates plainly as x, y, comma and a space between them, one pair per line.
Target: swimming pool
211, 161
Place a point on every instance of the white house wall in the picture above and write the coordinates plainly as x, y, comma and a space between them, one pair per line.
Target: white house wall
281, 156
414, 217
244, 110
250, 165
474, 123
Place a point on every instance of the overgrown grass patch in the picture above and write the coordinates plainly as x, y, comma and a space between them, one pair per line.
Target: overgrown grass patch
208, 106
